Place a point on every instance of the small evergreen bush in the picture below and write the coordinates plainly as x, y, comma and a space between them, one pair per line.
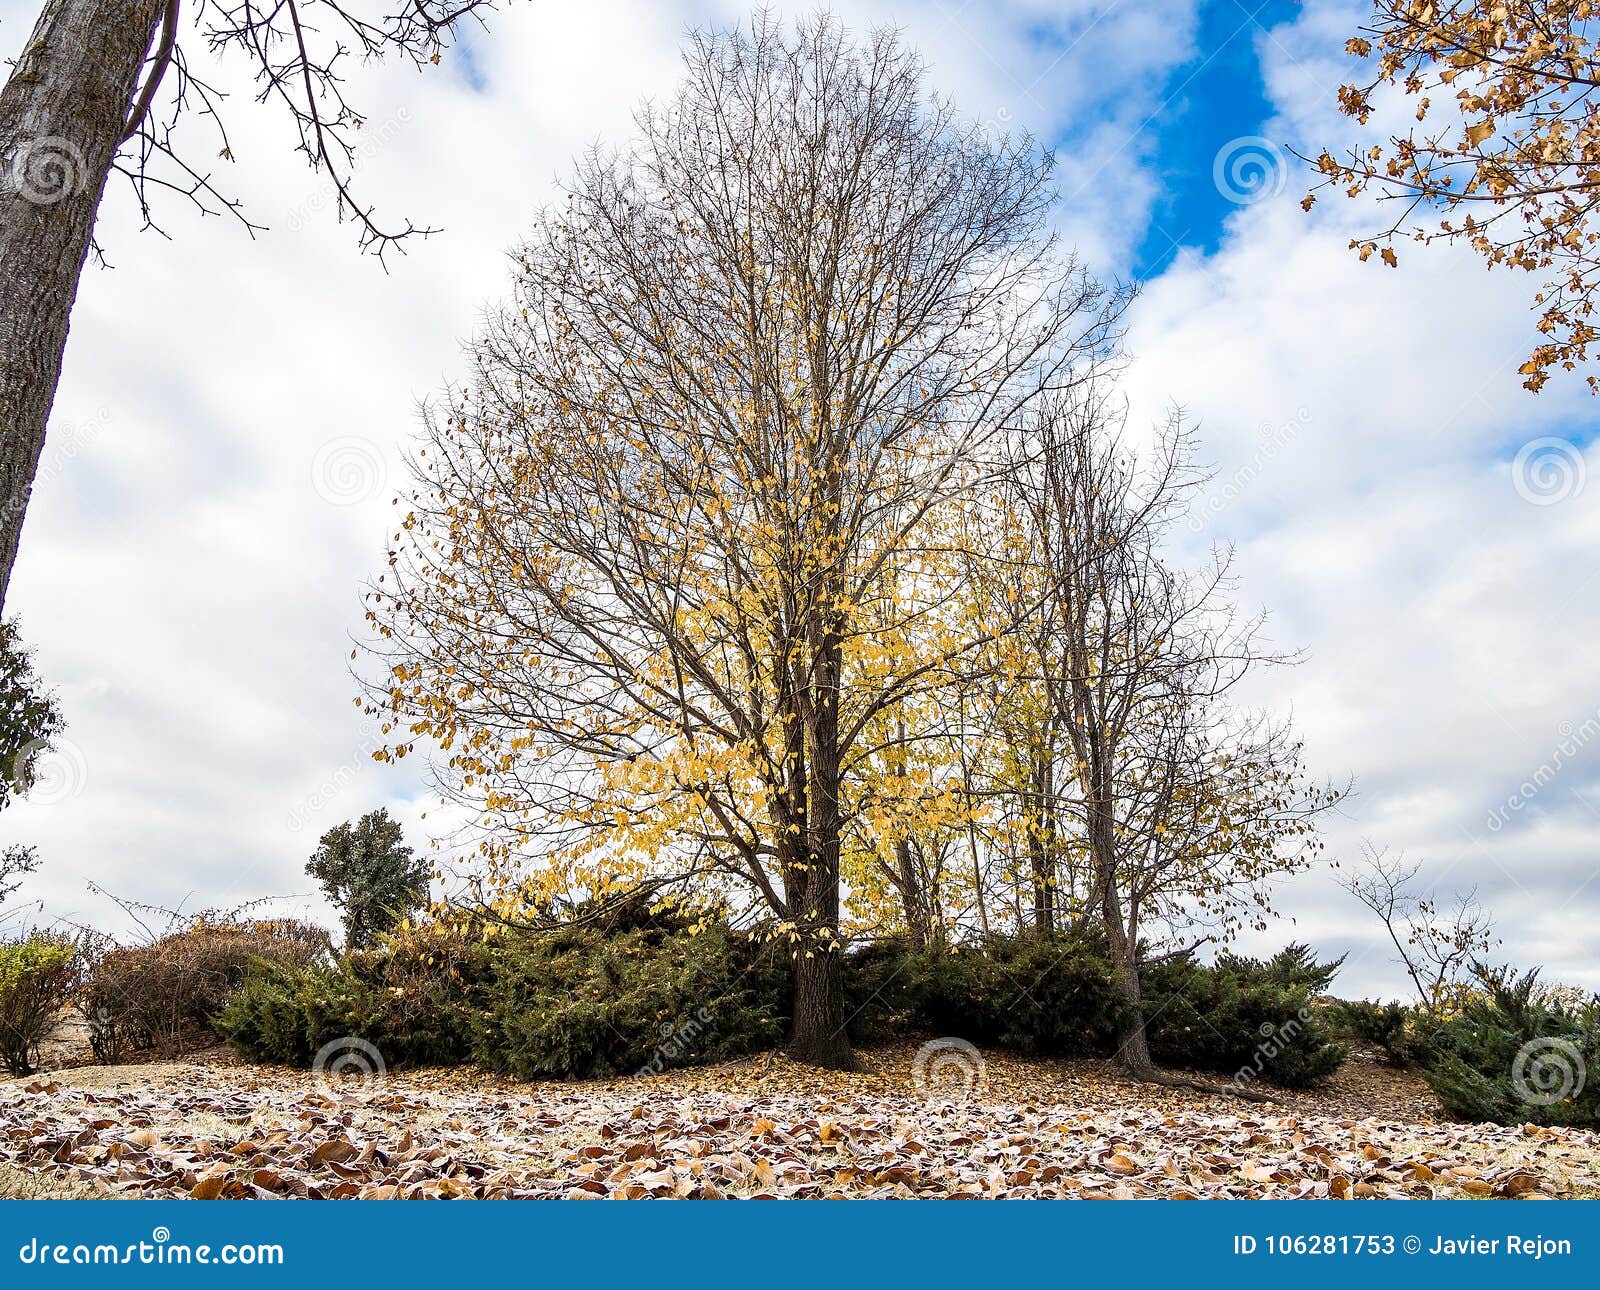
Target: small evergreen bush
1247, 1018
577, 1003
1512, 1054
1392, 1028
416, 996
1049, 996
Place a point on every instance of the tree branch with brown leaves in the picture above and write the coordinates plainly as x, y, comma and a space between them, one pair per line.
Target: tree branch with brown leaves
1506, 162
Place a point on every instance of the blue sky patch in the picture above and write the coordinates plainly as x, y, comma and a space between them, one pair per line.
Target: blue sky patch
1215, 100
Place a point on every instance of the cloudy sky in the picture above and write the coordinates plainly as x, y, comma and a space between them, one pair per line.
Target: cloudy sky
233, 415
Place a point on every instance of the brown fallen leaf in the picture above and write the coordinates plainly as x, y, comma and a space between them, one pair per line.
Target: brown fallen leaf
209, 1187
338, 1150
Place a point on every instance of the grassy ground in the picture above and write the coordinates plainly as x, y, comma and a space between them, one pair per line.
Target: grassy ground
23, 1184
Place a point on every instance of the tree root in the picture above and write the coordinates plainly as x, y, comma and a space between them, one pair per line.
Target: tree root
1162, 1078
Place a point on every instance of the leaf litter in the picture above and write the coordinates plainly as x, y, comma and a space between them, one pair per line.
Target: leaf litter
761, 1128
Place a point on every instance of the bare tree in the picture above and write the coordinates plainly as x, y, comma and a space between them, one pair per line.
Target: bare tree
99, 88
683, 546
1436, 943
1185, 807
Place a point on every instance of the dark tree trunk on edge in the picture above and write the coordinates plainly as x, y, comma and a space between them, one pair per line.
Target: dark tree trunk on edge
62, 116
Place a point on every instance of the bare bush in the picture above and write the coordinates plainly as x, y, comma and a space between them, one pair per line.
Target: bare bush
162, 996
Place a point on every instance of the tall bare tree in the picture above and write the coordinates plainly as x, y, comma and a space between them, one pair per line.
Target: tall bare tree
1183, 805
100, 87
683, 547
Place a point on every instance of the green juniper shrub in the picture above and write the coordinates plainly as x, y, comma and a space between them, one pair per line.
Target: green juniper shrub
1391, 1028
1049, 996
424, 991
285, 1014
584, 1002
39, 975
1057, 996
1294, 967
416, 997
1247, 1018
627, 992
886, 984
1511, 1053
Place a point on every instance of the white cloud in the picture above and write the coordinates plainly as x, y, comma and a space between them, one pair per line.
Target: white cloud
1365, 423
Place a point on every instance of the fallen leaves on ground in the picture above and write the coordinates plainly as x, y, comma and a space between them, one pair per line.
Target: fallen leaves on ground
760, 1128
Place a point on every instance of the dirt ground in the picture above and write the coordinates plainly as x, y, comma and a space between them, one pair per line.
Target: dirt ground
211, 1127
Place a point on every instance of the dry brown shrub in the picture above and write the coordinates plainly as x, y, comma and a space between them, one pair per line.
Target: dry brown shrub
161, 997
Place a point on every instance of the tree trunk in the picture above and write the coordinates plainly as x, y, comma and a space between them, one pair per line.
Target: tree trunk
1042, 848
819, 1023
1133, 1049
63, 113
818, 1032
912, 897
818, 1037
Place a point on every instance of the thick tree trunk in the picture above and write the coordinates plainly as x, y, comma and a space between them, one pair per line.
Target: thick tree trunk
63, 113
818, 1034
819, 1023
818, 1037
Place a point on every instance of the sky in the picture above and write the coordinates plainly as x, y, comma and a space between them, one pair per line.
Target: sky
234, 415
